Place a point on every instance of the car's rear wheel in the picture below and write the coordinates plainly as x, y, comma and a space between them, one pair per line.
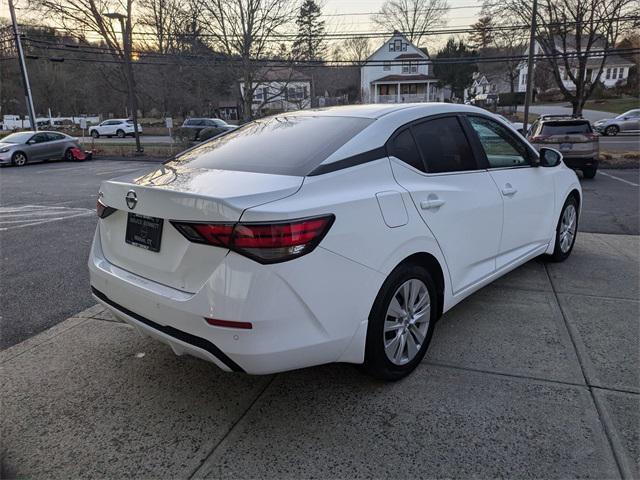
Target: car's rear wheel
95, 134
19, 159
589, 172
566, 231
612, 130
401, 323
68, 155
120, 133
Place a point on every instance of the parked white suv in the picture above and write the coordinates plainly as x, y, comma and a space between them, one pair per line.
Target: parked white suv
118, 127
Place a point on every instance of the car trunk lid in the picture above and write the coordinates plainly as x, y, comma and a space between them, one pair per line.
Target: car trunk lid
183, 194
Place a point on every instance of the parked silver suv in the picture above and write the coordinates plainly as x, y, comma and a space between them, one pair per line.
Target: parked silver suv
626, 122
572, 136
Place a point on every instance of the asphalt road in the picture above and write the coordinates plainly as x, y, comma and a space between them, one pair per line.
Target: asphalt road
47, 222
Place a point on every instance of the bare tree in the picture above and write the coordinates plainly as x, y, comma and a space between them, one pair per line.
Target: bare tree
573, 34
356, 49
414, 18
243, 29
98, 17
510, 44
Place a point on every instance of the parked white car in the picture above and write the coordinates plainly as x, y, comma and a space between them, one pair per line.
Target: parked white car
337, 235
114, 127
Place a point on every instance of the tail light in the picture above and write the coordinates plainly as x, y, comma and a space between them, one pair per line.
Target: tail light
102, 210
268, 242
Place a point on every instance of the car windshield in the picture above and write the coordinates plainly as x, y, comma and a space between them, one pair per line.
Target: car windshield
566, 128
630, 113
280, 145
20, 137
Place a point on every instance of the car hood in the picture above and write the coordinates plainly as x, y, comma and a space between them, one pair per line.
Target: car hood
4, 145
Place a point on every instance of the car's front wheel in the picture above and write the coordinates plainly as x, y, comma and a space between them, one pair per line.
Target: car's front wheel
120, 133
68, 155
19, 159
566, 231
401, 323
612, 130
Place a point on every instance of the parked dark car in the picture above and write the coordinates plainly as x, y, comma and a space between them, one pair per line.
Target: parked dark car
572, 136
198, 124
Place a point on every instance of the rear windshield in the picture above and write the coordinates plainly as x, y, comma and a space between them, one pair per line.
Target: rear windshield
280, 145
565, 128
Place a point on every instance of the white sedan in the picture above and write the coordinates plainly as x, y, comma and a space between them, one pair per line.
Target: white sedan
337, 235
114, 127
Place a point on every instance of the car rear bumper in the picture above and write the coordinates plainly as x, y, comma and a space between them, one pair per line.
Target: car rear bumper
589, 162
300, 317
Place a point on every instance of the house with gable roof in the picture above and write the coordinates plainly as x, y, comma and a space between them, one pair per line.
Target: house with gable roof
399, 72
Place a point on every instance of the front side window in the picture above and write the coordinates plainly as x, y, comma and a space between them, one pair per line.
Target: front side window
500, 146
444, 145
403, 147
40, 138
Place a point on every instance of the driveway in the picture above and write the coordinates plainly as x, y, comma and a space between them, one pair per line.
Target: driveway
536, 376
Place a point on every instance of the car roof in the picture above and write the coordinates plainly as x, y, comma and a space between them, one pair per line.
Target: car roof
379, 110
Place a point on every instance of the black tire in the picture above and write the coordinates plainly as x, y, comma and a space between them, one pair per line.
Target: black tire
612, 130
560, 255
120, 133
589, 172
19, 159
68, 156
95, 134
376, 362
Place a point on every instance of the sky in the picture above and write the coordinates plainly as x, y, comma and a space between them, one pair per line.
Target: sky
457, 17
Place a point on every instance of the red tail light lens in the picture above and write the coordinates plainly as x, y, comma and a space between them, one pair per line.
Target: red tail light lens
264, 242
102, 210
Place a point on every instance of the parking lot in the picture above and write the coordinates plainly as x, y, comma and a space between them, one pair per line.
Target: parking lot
535, 376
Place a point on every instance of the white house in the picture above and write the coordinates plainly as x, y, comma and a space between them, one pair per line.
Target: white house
399, 72
615, 71
280, 89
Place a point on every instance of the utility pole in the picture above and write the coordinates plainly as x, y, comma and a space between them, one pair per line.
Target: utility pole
23, 69
530, 66
125, 28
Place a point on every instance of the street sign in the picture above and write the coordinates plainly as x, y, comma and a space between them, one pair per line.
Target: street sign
168, 122
83, 123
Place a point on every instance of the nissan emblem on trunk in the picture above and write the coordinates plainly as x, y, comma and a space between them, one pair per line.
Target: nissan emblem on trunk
132, 199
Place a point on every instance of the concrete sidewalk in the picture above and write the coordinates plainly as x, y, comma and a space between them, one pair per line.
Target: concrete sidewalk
536, 376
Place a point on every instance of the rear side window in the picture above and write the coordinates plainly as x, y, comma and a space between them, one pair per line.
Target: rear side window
403, 146
565, 128
55, 136
444, 145
280, 145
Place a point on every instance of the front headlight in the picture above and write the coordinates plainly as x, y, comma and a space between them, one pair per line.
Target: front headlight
4, 150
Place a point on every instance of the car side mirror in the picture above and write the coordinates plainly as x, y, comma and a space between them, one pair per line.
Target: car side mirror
549, 157
31, 142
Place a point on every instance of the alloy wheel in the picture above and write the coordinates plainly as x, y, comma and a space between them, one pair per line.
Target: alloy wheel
19, 159
407, 321
568, 226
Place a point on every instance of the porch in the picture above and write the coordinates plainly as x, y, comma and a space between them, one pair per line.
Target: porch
405, 92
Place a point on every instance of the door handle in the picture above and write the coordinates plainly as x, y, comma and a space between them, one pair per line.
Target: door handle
431, 203
508, 190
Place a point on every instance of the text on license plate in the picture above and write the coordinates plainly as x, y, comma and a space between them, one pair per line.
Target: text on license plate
144, 232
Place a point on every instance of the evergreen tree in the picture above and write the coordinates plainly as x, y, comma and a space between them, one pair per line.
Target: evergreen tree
310, 44
458, 74
482, 34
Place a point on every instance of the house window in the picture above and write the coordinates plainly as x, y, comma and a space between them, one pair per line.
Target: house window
524, 79
404, 47
614, 72
391, 48
608, 74
409, 67
620, 72
397, 45
386, 66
